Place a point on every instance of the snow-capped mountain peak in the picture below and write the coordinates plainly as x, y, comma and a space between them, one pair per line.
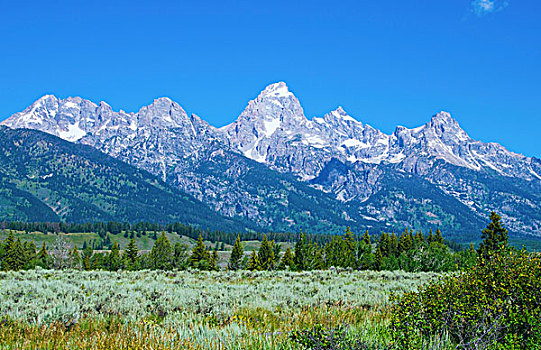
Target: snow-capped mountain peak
339, 114
277, 90
163, 139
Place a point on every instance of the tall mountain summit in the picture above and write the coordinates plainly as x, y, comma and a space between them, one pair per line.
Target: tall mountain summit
432, 175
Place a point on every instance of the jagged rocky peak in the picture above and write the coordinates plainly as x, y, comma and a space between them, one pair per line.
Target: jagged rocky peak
163, 112
274, 112
445, 127
278, 90
67, 118
443, 122
339, 114
275, 102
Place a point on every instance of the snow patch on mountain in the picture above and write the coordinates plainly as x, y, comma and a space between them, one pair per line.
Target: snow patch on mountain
74, 132
271, 126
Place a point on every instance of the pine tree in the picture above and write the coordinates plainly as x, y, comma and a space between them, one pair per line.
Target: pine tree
266, 255
14, 255
287, 260
7, 246
43, 257
419, 237
75, 258
393, 248
180, 256
253, 262
300, 252
314, 257
439, 237
349, 254
495, 237
366, 238
379, 260
430, 237
236, 255
213, 261
161, 254
30, 249
19, 256
132, 255
114, 258
276, 248
200, 255
384, 244
87, 258
365, 256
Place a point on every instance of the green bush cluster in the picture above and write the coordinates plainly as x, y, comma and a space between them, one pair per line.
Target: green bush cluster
494, 305
339, 337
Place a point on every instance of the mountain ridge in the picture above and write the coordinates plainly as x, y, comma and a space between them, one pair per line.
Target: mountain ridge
273, 131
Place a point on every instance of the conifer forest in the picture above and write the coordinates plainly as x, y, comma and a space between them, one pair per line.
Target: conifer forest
140, 286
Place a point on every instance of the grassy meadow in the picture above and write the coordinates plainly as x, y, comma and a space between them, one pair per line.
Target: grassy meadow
71, 309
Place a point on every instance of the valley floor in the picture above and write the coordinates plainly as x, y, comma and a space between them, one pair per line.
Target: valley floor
192, 309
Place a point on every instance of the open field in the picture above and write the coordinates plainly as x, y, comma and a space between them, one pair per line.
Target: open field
192, 310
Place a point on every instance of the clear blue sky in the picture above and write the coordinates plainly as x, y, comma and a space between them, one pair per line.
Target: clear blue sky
386, 62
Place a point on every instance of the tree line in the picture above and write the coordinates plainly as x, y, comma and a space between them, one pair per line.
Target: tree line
409, 251
143, 228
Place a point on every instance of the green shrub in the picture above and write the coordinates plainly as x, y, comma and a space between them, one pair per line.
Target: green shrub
495, 305
320, 337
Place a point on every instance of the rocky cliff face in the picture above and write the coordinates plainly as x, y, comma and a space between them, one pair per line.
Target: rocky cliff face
335, 154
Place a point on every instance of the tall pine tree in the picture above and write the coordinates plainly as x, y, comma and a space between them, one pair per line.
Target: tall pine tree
161, 254
266, 255
495, 237
132, 255
236, 255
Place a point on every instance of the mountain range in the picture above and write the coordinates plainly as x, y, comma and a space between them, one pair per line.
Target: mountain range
278, 170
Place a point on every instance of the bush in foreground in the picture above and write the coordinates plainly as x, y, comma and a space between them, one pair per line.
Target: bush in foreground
495, 305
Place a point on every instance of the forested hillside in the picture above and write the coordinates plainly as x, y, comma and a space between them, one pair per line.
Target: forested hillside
44, 178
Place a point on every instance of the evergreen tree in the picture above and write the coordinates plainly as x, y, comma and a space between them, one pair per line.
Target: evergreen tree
300, 253
334, 252
439, 237
29, 254
384, 244
132, 255
75, 258
379, 263
495, 237
419, 238
276, 248
213, 261
430, 237
366, 238
236, 255
365, 257
114, 261
253, 262
287, 260
180, 256
314, 257
161, 254
200, 255
14, 257
266, 255
7, 246
393, 247
87, 258
43, 257
349, 250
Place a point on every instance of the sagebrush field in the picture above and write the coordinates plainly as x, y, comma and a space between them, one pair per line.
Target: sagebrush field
192, 309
